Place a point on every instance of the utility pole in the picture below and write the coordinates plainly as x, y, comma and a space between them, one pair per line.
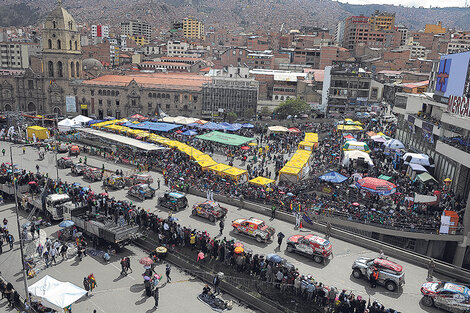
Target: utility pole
28, 299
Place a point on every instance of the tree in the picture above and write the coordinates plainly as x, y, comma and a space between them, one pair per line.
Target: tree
291, 107
231, 117
265, 111
249, 113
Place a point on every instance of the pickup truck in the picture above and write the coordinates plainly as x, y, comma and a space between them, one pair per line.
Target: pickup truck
117, 235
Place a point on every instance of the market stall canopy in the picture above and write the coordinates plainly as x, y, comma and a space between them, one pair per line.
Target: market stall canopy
190, 133
139, 117
278, 129
384, 177
294, 130
235, 173
81, 119
417, 167
67, 124
394, 144
37, 132
378, 138
356, 145
57, 293
155, 126
247, 125
205, 163
184, 120
333, 177
354, 155
417, 158
219, 168
227, 139
312, 137
376, 185
349, 128
261, 181
426, 178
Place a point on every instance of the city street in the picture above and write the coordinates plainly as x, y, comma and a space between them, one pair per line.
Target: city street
112, 288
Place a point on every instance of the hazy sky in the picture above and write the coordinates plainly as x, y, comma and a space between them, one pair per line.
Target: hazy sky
416, 3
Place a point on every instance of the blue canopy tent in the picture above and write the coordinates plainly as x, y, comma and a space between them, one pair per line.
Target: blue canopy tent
212, 126
128, 124
247, 125
190, 133
333, 177
158, 127
197, 125
94, 122
230, 127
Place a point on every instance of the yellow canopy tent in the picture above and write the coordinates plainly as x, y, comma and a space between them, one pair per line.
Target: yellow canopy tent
291, 174
37, 132
357, 123
236, 173
261, 181
349, 128
348, 120
202, 157
219, 168
313, 137
205, 163
306, 145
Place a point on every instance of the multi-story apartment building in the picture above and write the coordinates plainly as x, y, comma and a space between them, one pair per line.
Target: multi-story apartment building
382, 21
16, 55
136, 29
459, 42
99, 31
403, 30
193, 29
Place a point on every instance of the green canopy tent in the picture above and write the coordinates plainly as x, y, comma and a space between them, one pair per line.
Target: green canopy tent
226, 139
426, 178
385, 177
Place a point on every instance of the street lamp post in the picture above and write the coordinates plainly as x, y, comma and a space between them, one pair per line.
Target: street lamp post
28, 299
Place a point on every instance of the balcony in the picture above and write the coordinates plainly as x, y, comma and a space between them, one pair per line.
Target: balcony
459, 151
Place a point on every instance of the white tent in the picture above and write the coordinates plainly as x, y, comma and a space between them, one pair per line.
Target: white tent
349, 156
184, 120
56, 293
168, 119
67, 124
394, 144
417, 158
277, 129
81, 119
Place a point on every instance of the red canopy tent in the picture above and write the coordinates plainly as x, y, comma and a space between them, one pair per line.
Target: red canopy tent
139, 117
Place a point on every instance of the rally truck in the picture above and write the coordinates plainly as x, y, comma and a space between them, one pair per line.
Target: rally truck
391, 275
253, 227
173, 200
64, 162
319, 249
141, 191
450, 297
210, 210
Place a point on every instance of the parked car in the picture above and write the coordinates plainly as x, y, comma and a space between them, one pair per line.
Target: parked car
93, 174
253, 227
135, 179
114, 181
142, 191
78, 169
173, 200
391, 275
450, 297
313, 246
74, 150
64, 162
210, 210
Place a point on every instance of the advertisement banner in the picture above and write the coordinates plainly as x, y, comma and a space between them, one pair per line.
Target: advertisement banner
459, 106
452, 77
70, 104
411, 123
427, 132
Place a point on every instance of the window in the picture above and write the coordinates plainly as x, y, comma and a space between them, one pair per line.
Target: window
112, 93
150, 105
100, 92
50, 67
374, 93
72, 69
167, 106
92, 92
70, 42
117, 93
77, 69
158, 95
133, 102
194, 98
108, 102
117, 103
49, 44
150, 95
76, 46
54, 25
59, 69
30, 84
59, 44
100, 101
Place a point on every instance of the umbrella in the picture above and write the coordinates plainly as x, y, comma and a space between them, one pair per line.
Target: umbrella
146, 277
376, 185
253, 144
67, 223
355, 204
179, 132
294, 130
274, 258
32, 183
238, 244
245, 148
146, 261
290, 194
238, 250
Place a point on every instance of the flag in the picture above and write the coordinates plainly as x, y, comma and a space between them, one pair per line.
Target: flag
291, 207
307, 219
282, 203
161, 113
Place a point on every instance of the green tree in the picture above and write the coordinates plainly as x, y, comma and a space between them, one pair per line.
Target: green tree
291, 107
249, 113
265, 111
231, 117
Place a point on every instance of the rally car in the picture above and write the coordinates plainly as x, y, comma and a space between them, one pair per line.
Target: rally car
64, 162
391, 275
114, 181
138, 179
173, 200
316, 247
78, 169
93, 174
253, 227
141, 191
447, 296
210, 210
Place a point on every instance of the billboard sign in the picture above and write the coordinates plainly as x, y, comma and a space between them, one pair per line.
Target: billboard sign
70, 104
452, 78
459, 106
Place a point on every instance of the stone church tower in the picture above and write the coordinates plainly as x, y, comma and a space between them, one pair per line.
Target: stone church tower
61, 51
